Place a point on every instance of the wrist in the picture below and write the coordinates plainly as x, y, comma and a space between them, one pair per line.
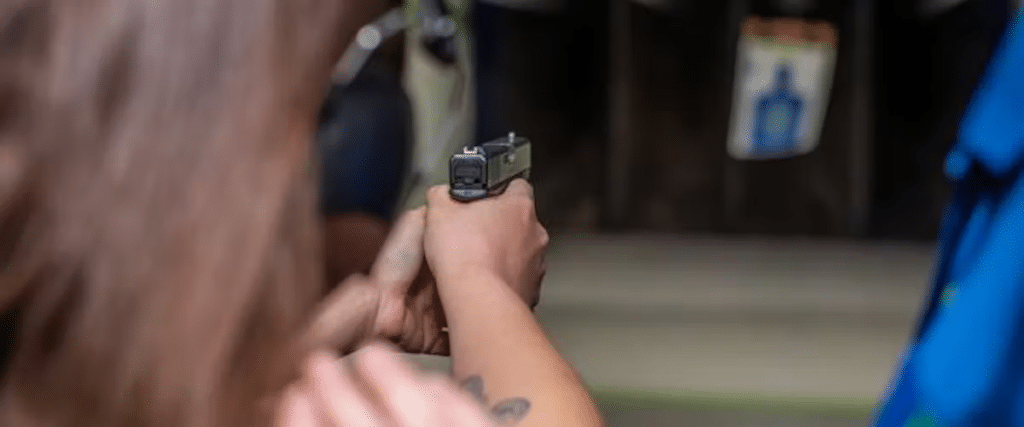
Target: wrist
475, 287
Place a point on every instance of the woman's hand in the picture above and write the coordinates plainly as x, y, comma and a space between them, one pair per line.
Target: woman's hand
410, 312
376, 389
397, 301
497, 236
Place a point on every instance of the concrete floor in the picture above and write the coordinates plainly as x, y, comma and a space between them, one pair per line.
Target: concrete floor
687, 331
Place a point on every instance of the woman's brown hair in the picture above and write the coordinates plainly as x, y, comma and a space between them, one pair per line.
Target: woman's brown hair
158, 224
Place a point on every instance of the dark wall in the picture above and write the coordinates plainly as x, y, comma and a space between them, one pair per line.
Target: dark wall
546, 76
927, 70
543, 76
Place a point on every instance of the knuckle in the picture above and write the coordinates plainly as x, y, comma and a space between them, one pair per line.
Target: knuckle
525, 207
436, 192
525, 199
524, 187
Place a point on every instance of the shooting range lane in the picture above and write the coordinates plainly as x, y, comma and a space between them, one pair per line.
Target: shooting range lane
811, 325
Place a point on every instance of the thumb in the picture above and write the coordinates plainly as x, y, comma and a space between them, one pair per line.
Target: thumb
401, 257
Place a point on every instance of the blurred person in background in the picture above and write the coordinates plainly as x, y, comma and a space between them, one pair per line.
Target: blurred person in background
363, 148
965, 363
364, 144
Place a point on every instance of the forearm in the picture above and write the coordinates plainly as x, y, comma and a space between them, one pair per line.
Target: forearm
501, 353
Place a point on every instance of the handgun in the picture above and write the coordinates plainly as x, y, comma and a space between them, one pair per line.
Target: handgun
486, 169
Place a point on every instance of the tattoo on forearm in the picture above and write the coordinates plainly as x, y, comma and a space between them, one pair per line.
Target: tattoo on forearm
475, 386
507, 412
511, 411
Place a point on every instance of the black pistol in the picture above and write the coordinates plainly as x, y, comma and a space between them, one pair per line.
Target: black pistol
487, 169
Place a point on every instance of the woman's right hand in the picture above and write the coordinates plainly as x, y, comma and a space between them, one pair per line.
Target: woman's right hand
376, 389
498, 236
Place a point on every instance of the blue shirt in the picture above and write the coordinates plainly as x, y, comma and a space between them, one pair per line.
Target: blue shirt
965, 367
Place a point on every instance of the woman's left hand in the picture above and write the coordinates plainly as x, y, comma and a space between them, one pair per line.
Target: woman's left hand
398, 301
410, 313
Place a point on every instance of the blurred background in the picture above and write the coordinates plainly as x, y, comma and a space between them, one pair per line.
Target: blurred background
695, 276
